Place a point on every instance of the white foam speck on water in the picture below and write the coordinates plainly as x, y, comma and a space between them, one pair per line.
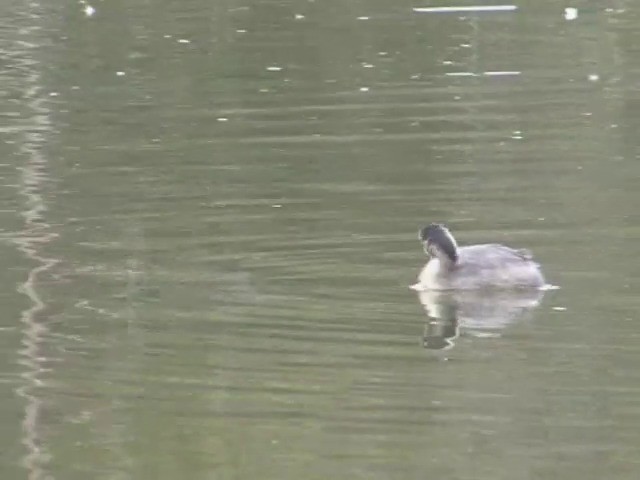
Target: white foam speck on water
120, 73
593, 77
492, 73
364, 89
89, 11
274, 68
570, 13
559, 309
549, 286
502, 73
184, 40
460, 74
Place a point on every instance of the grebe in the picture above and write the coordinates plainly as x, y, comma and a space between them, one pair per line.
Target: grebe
474, 266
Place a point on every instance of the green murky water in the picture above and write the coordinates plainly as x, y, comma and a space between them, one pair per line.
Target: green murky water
209, 226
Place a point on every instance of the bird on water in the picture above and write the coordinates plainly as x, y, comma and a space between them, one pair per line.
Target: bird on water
474, 266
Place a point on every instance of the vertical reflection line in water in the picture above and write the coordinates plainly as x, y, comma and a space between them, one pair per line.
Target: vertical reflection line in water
30, 241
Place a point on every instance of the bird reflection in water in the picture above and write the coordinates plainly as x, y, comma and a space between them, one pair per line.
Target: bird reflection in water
476, 313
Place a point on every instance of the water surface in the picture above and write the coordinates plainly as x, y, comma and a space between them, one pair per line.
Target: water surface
209, 225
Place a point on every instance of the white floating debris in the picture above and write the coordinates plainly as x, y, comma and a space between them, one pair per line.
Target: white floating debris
594, 77
120, 73
183, 40
89, 11
274, 69
276, 205
504, 73
167, 36
364, 89
297, 16
222, 119
367, 65
241, 30
363, 18
383, 54
264, 90
560, 309
469, 8
498, 73
570, 13
53, 94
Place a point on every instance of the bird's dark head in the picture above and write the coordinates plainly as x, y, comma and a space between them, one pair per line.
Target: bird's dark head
438, 242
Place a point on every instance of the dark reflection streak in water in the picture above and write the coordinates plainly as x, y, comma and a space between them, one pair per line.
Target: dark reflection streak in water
30, 241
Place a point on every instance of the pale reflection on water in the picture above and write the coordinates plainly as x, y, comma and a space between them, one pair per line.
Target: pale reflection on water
31, 242
478, 313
